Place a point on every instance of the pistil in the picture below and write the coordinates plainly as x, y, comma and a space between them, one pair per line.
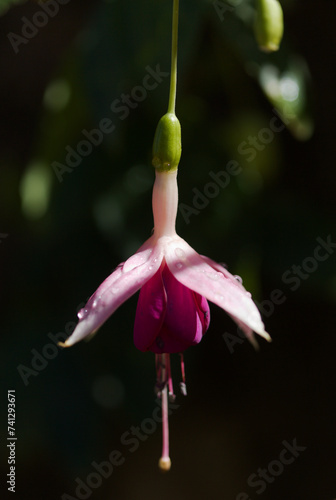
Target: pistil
164, 462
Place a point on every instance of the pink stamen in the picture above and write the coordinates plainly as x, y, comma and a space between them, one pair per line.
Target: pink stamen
171, 394
183, 386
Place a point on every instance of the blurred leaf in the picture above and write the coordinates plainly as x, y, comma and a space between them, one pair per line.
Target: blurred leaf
6, 4
287, 92
283, 76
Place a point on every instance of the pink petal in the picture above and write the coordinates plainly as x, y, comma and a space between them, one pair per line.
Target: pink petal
246, 329
249, 332
220, 287
150, 312
117, 288
224, 271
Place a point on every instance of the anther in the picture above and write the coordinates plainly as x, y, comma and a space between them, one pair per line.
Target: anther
183, 388
171, 397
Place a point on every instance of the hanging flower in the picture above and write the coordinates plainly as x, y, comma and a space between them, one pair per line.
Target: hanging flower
175, 283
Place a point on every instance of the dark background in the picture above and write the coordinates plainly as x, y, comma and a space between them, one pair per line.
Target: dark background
59, 240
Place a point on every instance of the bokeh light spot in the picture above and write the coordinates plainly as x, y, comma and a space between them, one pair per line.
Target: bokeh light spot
57, 95
108, 391
35, 189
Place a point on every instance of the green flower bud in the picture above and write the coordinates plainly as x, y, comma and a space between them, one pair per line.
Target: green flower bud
167, 143
268, 26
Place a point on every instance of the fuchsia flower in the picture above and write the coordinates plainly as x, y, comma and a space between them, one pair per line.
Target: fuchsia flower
175, 283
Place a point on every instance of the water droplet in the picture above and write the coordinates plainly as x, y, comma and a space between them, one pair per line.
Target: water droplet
179, 265
114, 290
238, 278
96, 302
82, 313
180, 253
219, 296
215, 275
150, 268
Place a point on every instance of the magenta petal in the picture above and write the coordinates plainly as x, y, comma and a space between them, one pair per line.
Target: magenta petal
117, 288
203, 311
183, 324
220, 287
150, 312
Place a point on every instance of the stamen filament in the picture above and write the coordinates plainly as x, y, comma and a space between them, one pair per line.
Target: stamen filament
171, 395
183, 386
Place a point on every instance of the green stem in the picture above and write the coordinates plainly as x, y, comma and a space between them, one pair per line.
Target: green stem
173, 72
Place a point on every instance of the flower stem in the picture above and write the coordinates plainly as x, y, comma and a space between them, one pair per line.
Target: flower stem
173, 72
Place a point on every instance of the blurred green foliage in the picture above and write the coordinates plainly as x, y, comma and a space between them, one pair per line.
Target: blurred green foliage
6, 4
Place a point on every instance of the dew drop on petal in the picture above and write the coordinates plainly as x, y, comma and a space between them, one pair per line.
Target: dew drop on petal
214, 275
238, 278
95, 302
180, 253
82, 313
150, 268
179, 265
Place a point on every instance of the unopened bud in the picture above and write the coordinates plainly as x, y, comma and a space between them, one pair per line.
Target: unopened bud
268, 26
167, 143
